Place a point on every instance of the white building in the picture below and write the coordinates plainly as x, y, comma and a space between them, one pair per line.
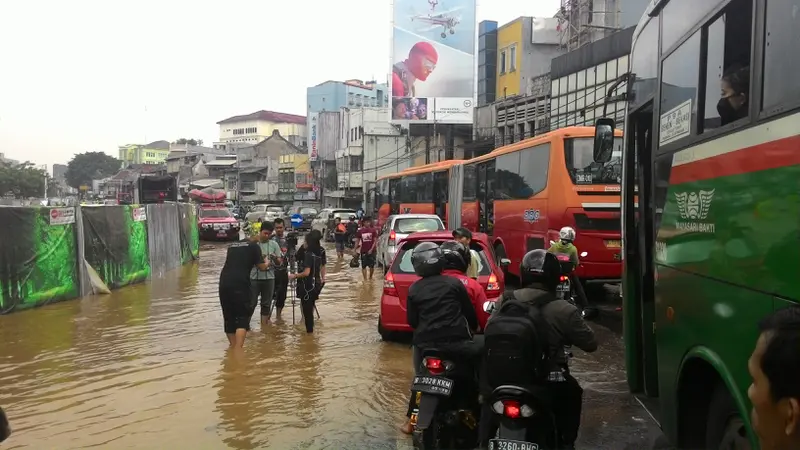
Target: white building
258, 126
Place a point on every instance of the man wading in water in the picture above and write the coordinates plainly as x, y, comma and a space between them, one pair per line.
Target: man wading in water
281, 274
234, 288
263, 281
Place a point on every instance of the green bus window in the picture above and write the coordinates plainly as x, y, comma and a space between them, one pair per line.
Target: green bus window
679, 86
781, 58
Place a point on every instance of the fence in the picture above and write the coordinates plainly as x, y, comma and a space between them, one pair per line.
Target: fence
54, 254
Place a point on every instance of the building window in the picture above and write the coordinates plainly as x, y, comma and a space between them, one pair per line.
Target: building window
503, 62
356, 163
513, 52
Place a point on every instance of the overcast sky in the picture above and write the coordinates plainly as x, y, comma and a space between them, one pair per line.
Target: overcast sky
89, 75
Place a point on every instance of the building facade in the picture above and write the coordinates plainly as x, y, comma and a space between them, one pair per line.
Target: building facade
331, 96
580, 81
260, 125
155, 152
487, 62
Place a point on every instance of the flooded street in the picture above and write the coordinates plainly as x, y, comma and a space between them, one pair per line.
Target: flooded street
148, 367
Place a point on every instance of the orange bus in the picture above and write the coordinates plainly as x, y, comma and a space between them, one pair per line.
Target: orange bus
416, 190
523, 193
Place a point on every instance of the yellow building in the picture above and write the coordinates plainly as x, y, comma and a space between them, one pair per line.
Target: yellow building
295, 172
254, 128
509, 51
153, 153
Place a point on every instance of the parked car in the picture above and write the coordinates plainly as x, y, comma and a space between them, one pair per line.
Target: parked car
216, 222
397, 227
264, 212
400, 275
308, 214
324, 222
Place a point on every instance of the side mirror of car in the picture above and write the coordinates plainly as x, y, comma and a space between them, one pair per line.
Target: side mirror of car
505, 262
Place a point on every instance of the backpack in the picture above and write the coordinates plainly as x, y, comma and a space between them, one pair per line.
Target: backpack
516, 345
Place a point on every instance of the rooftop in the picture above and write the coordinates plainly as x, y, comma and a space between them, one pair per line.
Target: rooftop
268, 116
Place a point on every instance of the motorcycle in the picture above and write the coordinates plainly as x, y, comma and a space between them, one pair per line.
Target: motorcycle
565, 290
447, 412
524, 414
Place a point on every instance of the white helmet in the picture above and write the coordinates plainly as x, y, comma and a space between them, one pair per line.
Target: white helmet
567, 234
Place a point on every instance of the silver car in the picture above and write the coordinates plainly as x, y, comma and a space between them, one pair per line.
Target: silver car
398, 227
260, 213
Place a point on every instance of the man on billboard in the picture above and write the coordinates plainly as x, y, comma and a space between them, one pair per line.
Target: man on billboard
421, 62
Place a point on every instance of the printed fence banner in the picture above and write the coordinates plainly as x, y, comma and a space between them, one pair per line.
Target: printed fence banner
38, 257
164, 237
115, 243
190, 236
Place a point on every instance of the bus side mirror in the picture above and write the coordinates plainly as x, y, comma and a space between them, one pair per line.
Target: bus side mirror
603, 140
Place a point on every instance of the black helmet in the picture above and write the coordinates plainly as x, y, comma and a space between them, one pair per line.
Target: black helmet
539, 266
456, 256
427, 259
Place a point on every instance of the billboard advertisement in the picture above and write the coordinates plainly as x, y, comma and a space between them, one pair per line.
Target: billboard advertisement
433, 61
312, 142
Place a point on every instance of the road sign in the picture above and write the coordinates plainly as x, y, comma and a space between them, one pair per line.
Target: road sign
296, 220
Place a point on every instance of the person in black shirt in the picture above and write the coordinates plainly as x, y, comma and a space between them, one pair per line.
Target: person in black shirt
310, 276
281, 270
234, 289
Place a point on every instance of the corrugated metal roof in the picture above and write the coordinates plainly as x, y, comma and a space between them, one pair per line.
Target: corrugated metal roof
269, 116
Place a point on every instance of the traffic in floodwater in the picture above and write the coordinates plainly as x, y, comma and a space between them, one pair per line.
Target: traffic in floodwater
148, 366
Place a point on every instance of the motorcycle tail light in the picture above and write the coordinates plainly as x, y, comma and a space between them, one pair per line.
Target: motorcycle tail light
511, 409
564, 278
434, 365
388, 285
392, 238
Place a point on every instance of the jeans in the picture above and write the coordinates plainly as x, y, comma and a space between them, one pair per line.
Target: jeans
472, 350
264, 290
281, 285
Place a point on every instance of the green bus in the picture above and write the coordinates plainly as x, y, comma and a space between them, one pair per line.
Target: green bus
710, 207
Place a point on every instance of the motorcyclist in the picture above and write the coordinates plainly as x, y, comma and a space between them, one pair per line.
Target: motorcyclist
350, 232
564, 245
440, 312
540, 273
457, 258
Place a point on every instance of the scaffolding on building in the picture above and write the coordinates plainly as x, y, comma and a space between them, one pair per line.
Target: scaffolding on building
581, 22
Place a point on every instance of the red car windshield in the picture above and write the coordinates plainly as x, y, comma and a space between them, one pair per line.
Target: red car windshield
402, 263
217, 213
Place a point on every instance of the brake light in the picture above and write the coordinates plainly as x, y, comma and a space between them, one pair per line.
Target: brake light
493, 285
511, 409
564, 278
388, 285
392, 238
434, 366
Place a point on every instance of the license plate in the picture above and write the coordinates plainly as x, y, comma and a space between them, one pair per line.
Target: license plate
433, 385
563, 287
222, 234
504, 444
613, 244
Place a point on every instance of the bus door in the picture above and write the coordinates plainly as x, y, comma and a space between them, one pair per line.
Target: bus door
639, 281
486, 188
394, 196
440, 189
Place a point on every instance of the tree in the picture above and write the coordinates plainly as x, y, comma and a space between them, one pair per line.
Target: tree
85, 167
22, 180
184, 141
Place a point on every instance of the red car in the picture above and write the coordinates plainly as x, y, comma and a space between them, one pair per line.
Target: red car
216, 222
400, 275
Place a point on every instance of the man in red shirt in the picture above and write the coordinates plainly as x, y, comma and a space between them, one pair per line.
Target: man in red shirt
367, 243
457, 260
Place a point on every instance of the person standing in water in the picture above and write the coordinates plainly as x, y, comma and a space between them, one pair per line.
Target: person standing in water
367, 243
262, 282
234, 288
310, 276
281, 273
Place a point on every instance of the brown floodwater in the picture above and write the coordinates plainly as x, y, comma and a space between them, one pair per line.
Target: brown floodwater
148, 367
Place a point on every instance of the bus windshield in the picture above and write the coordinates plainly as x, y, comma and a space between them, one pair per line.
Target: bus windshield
582, 168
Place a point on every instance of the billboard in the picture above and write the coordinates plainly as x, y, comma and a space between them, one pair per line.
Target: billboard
433, 61
312, 142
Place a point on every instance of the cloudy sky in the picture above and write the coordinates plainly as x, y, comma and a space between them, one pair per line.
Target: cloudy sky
89, 75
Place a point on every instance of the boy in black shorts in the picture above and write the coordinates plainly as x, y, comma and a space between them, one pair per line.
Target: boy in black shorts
367, 243
234, 289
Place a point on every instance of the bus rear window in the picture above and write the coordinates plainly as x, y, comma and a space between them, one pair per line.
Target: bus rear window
583, 170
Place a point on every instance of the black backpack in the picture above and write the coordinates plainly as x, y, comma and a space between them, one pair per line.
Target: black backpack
516, 350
